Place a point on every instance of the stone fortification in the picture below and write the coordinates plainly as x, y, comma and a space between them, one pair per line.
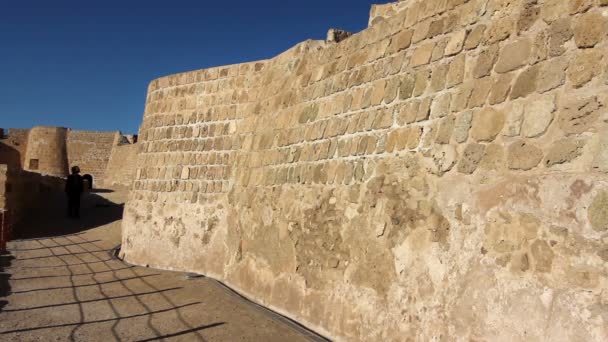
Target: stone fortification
122, 165
91, 151
441, 175
46, 151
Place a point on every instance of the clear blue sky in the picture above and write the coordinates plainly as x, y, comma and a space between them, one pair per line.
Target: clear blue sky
87, 64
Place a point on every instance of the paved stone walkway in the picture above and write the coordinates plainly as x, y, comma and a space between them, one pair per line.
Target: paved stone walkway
69, 288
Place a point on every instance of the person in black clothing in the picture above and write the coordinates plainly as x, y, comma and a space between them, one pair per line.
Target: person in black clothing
74, 186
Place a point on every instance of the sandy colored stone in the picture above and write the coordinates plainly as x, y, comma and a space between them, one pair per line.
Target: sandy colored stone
560, 32
441, 105
400, 41
598, 212
525, 84
378, 92
422, 55
600, 160
564, 151
500, 89
523, 156
543, 255
485, 61
514, 120
540, 49
456, 43
514, 55
438, 77
487, 124
456, 69
579, 115
421, 82
446, 127
424, 110
589, 29
552, 74
471, 157
444, 158
493, 158
474, 37
439, 50
481, 90
406, 87
462, 126
528, 16
538, 116
584, 67
499, 30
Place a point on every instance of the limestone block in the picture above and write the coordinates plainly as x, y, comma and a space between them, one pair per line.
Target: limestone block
392, 88
480, 92
540, 49
185, 174
474, 37
514, 55
456, 43
422, 81
560, 32
580, 6
528, 16
525, 83
446, 127
408, 112
589, 29
487, 124
406, 87
422, 55
378, 92
579, 115
583, 68
500, 30
564, 151
538, 116
462, 126
598, 212
523, 156
424, 110
485, 61
471, 157
600, 161
460, 100
439, 50
441, 105
456, 69
443, 157
438, 77
543, 255
400, 41
500, 89
414, 136
493, 158
552, 74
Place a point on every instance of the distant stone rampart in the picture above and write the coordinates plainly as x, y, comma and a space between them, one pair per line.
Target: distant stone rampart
441, 175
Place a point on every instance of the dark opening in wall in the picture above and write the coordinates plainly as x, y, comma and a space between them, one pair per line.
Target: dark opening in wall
9, 187
33, 164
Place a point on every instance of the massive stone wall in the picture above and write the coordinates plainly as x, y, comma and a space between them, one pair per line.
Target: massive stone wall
441, 175
122, 166
91, 150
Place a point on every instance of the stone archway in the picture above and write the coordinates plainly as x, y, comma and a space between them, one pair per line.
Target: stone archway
89, 179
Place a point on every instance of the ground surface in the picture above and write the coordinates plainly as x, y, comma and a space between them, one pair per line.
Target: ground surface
66, 286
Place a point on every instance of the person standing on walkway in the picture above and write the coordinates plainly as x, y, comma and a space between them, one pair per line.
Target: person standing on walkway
74, 186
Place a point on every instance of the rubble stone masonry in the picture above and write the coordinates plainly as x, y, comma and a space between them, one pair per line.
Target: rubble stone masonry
441, 175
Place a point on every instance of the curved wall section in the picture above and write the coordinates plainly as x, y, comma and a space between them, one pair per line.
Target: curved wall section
441, 175
46, 151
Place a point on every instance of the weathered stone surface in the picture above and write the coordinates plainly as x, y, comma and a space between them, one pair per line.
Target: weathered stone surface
493, 158
525, 84
500, 30
487, 124
441, 105
446, 127
501, 88
438, 77
559, 33
564, 151
456, 71
598, 212
529, 14
583, 68
600, 160
514, 120
579, 115
524, 156
422, 55
538, 116
481, 90
552, 74
400, 41
462, 126
471, 158
485, 62
589, 29
542, 255
514, 55
456, 43
422, 81
474, 37
407, 87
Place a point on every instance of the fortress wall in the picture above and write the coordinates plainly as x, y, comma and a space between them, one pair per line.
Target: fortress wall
440, 175
13, 146
46, 151
91, 151
122, 166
